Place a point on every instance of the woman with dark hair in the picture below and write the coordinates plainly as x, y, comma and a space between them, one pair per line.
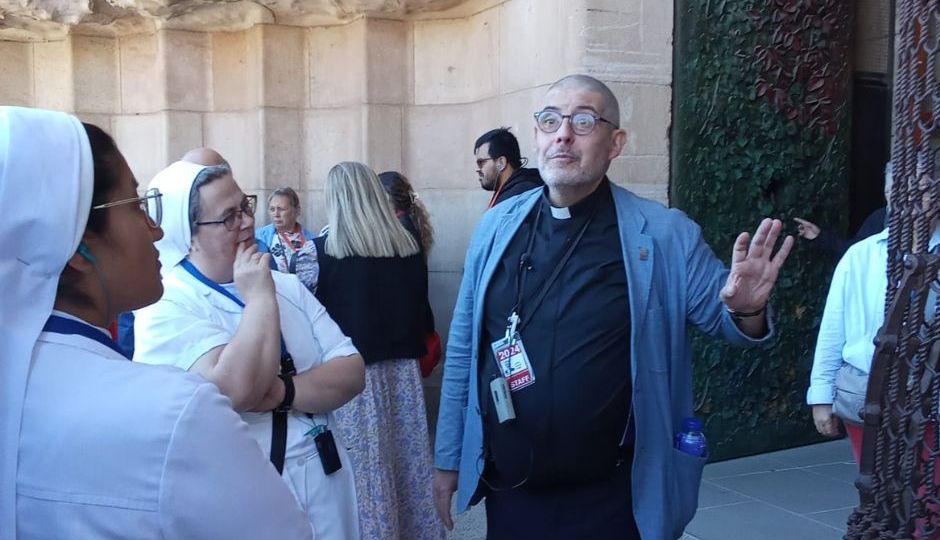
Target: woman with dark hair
409, 209
291, 246
94, 446
414, 218
374, 283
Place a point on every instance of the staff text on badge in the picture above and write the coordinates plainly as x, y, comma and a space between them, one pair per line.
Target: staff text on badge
514, 363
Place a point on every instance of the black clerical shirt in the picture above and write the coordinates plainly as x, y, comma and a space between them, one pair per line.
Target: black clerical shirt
570, 423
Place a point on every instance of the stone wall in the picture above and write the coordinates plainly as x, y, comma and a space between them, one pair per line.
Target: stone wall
284, 103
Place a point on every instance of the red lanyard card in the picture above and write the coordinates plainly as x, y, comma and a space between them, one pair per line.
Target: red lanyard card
513, 362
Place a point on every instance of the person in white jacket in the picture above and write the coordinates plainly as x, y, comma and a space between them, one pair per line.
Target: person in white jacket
853, 315
854, 312
95, 446
263, 339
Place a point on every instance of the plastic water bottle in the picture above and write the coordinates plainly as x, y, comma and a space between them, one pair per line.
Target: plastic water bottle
691, 440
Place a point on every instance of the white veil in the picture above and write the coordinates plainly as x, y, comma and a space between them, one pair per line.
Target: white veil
46, 185
175, 182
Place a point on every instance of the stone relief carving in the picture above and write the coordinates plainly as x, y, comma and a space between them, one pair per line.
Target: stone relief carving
51, 19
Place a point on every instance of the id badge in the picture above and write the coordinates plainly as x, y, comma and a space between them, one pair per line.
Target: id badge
329, 455
513, 362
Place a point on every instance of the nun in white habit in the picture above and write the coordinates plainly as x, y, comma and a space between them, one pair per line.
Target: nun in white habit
223, 315
95, 446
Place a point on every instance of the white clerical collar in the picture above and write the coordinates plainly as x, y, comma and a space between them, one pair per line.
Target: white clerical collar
560, 213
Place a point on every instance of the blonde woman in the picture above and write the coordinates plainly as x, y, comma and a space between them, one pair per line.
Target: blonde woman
374, 283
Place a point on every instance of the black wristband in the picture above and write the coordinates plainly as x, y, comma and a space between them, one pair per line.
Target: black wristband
288, 400
738, 315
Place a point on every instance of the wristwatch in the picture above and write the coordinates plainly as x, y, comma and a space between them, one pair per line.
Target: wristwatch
288, 400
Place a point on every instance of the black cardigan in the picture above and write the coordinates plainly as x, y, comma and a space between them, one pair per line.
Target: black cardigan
381, 303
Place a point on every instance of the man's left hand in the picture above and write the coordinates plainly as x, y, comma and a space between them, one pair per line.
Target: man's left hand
753, 270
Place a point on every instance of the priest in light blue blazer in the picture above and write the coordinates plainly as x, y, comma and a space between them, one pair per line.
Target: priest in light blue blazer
568, 367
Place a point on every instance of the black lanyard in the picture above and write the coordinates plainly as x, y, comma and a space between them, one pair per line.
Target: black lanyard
524, 267
62, 325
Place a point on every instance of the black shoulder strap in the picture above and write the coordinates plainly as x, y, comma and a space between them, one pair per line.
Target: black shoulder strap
279, 418
278, 439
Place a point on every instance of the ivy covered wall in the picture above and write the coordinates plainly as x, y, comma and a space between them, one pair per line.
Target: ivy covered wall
761, 128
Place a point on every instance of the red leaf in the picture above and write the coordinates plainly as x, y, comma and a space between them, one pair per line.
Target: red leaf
761, 87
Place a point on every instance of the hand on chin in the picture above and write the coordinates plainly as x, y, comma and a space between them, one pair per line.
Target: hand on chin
245, 243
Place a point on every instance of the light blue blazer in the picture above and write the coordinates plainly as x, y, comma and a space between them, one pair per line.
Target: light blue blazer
674, 281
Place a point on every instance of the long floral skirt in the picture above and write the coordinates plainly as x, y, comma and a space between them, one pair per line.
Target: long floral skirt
386, 430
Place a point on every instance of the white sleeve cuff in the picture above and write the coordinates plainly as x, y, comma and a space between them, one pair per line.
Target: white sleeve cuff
344, 348
820, 394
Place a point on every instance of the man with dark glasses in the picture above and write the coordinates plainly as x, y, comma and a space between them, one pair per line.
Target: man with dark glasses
500, 167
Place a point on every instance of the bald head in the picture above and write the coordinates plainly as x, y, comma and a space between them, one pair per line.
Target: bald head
610, 108
205, 156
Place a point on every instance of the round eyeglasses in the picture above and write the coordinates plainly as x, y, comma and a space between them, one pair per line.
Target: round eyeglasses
233, 219
151, 204
582, 123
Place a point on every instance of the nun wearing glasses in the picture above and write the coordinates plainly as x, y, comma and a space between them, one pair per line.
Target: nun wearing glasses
259, 335
93, 445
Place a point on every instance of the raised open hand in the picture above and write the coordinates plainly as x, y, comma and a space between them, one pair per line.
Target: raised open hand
753, 270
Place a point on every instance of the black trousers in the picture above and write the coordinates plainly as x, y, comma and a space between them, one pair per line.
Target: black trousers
597, 511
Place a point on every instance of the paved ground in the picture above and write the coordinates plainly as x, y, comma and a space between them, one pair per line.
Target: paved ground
803, 493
